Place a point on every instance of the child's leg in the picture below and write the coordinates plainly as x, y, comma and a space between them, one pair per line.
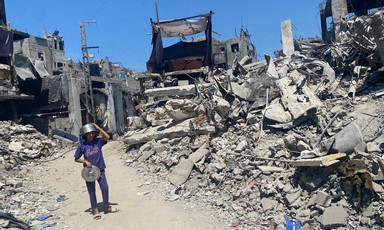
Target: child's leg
104, 188
92, 196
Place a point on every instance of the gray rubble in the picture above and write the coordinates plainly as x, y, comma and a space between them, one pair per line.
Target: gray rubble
299, 136
21, 144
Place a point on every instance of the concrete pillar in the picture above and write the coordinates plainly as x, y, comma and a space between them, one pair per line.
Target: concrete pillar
74, 106
111, 108
339, 11
119, 111
130, 108
48, 61
287, 38
323, 20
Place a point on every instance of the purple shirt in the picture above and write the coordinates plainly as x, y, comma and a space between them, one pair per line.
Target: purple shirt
92, 152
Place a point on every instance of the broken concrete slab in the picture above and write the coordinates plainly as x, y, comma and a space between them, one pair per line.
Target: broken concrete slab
182, 109
241, 91
377, 187
221, 106
268, 204
276, 112
188, 90
292, 197
271, 70
146, 155
369, 211
265, 168
181, 172
373, 147
296, 97
334, 217
14, 183
321, 198
170, 131
347, 139
241, 146
15, 146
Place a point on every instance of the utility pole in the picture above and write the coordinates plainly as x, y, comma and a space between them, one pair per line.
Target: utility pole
87, 76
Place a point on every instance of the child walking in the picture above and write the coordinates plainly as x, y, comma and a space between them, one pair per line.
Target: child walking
91, 150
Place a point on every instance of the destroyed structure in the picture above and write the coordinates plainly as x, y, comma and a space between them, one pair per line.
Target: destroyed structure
338, 11
295, 138
39, 86
298, 137
191, 59
227, 53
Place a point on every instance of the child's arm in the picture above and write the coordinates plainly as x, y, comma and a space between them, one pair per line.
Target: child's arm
103, 133
89, 165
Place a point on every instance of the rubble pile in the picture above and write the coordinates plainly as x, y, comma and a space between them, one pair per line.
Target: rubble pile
297, 137
26, 201
19, 144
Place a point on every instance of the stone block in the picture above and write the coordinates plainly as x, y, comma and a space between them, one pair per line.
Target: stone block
292, 197
321, 198
268, 204
334, 217
241, 147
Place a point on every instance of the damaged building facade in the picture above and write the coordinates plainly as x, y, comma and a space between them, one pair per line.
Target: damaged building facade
39, 86
226, 53
191, 59
336, 12
295, 139
292, 140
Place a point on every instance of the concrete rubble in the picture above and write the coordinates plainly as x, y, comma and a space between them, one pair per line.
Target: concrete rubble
20, 145
25, 200
299, 136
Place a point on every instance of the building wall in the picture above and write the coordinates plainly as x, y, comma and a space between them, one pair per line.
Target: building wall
37, 48
58, 51
62, 124
226, 52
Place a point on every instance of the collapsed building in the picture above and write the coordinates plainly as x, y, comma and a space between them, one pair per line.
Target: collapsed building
39, 86
336, 13
191, 59
296, 138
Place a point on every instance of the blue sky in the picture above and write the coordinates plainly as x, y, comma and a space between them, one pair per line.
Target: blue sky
123, 25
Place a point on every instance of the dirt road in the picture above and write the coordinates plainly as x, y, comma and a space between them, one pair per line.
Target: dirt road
149, 211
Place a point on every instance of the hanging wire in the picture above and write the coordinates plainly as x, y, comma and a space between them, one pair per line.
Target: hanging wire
100, 7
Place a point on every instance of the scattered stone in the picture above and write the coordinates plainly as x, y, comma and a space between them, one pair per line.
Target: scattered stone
241, 147
268, 204
334, 217
292, 197
373, 147
321, 198
14, 183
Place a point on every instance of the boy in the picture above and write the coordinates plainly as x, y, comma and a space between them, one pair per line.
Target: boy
91, 149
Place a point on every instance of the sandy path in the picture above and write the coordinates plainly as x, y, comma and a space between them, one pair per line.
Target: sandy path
150, 211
